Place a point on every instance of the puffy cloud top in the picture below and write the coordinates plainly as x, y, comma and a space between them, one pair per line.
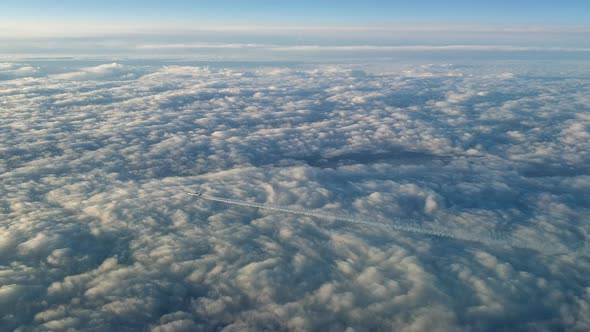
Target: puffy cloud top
97, 232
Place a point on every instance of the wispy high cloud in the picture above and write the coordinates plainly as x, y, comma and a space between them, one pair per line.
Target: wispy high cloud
365, 48
93, 39
20, 29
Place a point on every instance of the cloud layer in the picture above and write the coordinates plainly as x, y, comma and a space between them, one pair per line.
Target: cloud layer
98, 233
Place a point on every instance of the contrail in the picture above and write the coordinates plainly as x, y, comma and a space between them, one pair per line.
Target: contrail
498, 239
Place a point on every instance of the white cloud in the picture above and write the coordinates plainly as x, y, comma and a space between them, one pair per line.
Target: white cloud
11, 70
101, 72
428, 48
20, 29
361, 48
99, 233
287, 42
202, 46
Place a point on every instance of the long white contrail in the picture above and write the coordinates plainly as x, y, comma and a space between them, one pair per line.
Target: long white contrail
497, 239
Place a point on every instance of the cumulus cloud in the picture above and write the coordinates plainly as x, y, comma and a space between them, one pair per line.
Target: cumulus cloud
9, 70
99, 234
101, 72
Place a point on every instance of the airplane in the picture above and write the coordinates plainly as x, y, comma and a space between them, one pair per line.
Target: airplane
196, 193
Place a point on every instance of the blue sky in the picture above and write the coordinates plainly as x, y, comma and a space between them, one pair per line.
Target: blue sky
343, 12
176, 26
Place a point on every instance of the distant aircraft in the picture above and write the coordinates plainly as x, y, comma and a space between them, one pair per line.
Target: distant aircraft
196, 193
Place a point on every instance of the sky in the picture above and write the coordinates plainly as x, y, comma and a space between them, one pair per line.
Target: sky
306, 12
129, 28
